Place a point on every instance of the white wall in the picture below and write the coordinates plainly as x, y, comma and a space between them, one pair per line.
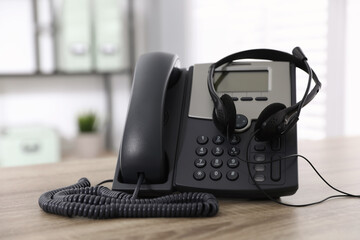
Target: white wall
328, 32
162, 25
351, 79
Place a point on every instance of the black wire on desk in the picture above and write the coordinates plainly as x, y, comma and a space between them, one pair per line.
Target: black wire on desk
105, 181
343, 193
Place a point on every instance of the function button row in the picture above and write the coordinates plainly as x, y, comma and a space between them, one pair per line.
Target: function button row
249, 98
216, 175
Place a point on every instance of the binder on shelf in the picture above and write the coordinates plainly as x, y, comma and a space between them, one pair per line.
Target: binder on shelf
74, 37
45, 37
110, 37
17, 51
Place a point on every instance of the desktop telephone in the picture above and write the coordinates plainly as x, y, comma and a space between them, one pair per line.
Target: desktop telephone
171, 138
225, 129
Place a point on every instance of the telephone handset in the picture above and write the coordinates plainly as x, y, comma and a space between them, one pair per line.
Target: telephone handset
142, 148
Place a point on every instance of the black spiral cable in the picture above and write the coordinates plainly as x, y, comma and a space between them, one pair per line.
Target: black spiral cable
99, 202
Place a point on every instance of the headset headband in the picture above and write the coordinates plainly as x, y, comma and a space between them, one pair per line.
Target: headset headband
298, 58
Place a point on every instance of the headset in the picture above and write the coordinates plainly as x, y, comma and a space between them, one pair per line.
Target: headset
276, 119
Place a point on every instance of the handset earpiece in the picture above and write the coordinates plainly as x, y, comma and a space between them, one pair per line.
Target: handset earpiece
224, 115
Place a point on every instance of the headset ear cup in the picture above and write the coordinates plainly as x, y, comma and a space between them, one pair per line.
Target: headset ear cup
262, 134
230, 111
224, 116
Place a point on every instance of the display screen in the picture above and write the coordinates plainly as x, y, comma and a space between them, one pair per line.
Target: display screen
242, 81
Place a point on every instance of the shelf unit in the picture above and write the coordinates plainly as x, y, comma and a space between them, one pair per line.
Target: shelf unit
105, 76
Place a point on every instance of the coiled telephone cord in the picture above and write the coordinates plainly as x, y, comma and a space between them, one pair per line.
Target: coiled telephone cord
99, 202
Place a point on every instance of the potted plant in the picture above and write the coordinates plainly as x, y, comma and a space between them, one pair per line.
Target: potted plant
89, 143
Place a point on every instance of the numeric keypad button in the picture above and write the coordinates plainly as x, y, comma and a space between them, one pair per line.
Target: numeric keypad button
202, 139
216, 163
233, 162
234, 151
232, 175
218, 139
215, 175
201, 151
199, 175
217, 151
235, 139
200, 162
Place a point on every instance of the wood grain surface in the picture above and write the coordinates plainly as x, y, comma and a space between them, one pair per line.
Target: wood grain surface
336, 159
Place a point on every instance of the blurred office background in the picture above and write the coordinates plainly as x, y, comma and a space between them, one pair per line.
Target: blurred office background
61, 59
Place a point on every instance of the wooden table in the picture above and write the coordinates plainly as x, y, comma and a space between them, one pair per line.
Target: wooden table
336, 159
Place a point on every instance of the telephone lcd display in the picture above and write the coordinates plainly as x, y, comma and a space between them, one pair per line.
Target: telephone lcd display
242, 81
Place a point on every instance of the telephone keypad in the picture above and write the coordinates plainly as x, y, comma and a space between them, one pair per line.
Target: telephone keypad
229, 152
